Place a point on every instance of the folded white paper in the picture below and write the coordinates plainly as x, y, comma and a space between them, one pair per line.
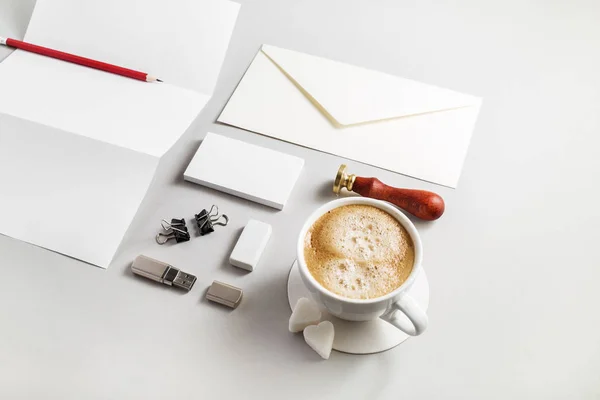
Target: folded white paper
181, 41
78, 146
390, 122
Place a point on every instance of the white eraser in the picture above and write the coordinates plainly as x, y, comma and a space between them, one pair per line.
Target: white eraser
250, 245
245, 170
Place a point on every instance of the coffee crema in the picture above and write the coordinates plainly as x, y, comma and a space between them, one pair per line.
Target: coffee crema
359, 252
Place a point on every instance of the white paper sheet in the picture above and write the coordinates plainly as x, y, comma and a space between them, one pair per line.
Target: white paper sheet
137, 115
79, 147
393, 123
66, 192
181, 41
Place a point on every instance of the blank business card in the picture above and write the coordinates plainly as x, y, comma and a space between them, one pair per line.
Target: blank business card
245, 170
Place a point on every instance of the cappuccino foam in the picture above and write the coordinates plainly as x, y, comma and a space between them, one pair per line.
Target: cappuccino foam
359, 252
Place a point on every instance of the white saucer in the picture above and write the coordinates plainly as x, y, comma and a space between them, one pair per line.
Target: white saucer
361, 337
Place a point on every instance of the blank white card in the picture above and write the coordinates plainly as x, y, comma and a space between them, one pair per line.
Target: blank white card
245, 170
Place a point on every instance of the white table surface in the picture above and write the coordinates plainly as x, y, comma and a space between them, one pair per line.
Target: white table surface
513, 264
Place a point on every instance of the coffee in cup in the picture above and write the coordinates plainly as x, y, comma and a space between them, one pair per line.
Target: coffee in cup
359, 251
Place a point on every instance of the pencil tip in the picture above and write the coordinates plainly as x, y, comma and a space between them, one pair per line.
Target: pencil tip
158, 80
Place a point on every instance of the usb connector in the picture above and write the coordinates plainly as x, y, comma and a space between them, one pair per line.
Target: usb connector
179, 279
162, 272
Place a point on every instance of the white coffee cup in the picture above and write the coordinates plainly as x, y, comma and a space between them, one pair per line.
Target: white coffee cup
384, 307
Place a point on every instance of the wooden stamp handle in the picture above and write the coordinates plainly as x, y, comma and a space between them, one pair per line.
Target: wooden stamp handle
420, 203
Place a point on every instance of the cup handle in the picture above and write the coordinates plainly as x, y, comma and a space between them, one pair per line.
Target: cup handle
413, 312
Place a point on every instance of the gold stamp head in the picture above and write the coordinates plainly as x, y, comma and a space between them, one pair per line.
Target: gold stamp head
343, 180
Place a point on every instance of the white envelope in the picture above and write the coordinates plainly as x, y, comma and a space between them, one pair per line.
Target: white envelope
372, 117
79, 147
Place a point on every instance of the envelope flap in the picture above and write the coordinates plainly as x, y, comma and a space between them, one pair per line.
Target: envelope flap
353, 95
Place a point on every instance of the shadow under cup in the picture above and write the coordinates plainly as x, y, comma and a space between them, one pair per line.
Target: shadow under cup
358, 309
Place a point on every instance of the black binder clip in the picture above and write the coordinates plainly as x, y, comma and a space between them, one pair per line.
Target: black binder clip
206, 220
176, 229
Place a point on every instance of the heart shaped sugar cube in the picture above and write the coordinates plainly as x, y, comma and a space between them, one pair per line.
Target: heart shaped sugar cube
320, 338
305, 313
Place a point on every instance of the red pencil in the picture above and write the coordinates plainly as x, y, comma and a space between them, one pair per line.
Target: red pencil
72, 58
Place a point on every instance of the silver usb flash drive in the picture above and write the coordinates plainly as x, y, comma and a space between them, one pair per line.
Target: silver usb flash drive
162, 272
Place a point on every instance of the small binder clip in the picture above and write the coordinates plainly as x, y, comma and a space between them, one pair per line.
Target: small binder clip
207, 226
176, 229
203, 215
206, 220
174, 222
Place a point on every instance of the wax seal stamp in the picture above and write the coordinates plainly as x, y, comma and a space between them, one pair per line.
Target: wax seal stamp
420, 203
